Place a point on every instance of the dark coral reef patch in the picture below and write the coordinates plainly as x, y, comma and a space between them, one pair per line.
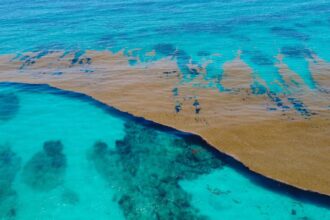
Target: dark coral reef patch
46, 169
146, 167
10, 164
9, 105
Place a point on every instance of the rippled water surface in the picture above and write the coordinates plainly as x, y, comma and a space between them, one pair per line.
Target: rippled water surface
65, 156
192, 32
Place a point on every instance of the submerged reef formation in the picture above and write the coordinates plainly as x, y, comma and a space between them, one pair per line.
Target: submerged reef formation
70, 197
9, 105
146, 168
10, 164
46, 169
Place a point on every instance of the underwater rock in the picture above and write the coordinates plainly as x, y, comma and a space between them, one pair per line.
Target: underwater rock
146, 168
101, 157
8, 204
53, 148
9, 105
165, 49
46, 169
261, 59
297, 51
70, 197
10, 164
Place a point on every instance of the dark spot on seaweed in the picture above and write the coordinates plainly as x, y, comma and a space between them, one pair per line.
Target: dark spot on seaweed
178, 107
58, 73
132, 62
25, 57
76, 57
29, 60
46, 169
175, 92
86, 60
193, 72
88, 71
277, 100
9, 106
293, 212
197, 106
300, 107
271, 109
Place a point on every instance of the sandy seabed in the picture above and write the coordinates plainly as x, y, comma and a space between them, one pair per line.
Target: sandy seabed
282, 144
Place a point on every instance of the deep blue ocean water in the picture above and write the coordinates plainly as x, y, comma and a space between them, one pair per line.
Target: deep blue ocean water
64, 157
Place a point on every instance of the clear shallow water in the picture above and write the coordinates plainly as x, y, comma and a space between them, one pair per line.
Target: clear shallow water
190, 31
104, 165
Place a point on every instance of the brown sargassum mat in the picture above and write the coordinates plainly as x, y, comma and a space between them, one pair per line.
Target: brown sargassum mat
283, 136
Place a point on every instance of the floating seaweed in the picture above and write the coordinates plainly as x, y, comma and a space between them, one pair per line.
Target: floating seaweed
9, 105
277, 101
300, 107
146, 167
46, 169
10, 164
76, 57
86, 60
30, 60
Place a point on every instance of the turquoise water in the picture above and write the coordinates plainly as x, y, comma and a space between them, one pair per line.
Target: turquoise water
66, 156
191, 31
